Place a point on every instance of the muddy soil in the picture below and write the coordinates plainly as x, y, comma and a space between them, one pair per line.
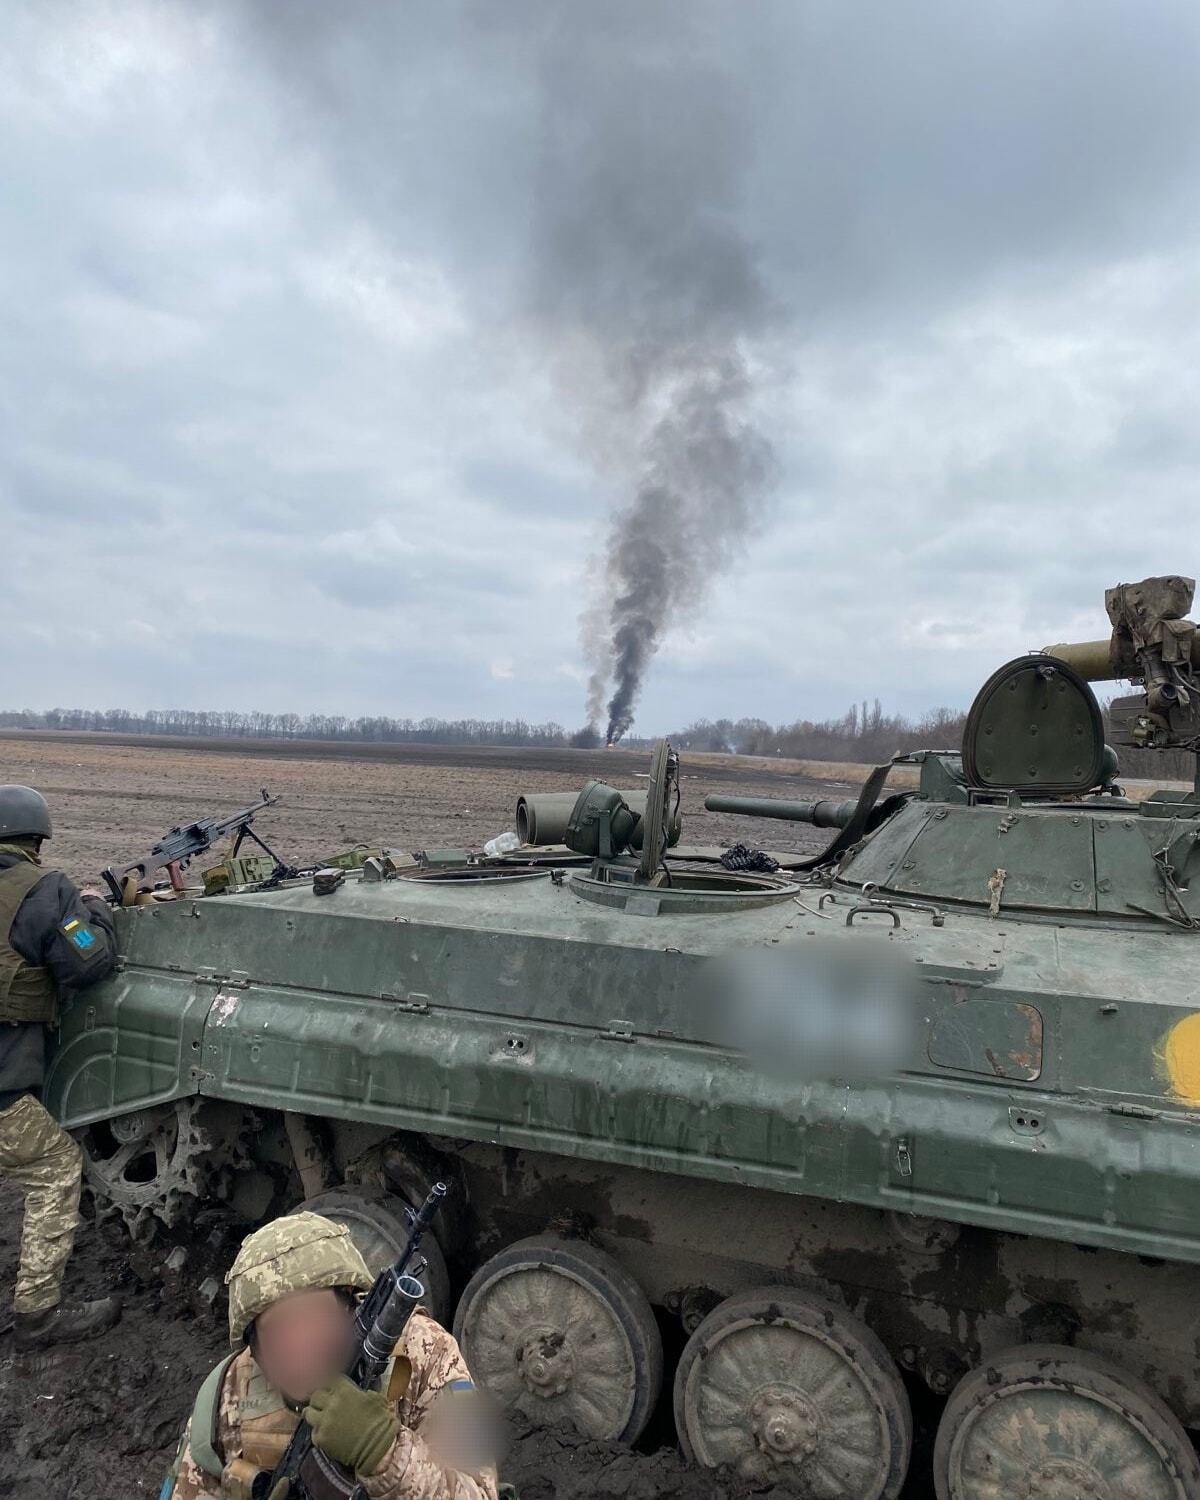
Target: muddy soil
102, 1419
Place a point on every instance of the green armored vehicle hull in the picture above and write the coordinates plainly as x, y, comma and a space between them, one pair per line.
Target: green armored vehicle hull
999, 1194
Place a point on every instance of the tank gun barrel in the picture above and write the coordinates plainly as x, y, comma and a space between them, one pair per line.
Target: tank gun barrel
824, 813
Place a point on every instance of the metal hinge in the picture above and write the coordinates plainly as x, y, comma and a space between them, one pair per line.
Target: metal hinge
619, 1031
236, 979
1135, 1111
417, 1005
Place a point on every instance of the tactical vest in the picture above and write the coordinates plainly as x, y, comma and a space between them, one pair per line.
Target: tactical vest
265, 1422
27, 991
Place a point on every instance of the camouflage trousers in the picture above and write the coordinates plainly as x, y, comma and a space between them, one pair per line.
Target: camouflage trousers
40, 1157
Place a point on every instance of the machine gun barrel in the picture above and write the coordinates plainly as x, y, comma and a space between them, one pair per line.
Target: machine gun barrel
824, 813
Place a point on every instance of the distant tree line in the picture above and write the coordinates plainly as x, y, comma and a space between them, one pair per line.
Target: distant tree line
231, 723
863, 733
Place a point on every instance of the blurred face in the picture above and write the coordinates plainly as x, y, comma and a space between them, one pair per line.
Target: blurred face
303, 1341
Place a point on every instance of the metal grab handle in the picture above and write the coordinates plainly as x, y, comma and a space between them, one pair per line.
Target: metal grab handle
939, 917
860, 910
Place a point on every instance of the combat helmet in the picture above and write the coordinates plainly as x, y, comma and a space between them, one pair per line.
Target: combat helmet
23, 813
299, 1253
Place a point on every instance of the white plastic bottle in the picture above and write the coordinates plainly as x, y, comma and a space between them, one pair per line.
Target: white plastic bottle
503, 843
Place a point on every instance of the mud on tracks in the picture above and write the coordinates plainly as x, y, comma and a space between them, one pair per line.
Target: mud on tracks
101, 1420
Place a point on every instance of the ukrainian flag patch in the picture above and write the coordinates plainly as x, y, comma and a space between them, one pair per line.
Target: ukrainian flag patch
79, 935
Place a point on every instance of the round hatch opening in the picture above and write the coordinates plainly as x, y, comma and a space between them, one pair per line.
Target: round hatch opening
478, 874
689, 892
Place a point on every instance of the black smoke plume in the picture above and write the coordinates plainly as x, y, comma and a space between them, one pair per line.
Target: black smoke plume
585, 169
706, 472
648, 294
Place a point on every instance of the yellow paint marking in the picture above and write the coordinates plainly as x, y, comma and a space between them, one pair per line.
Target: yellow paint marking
1181, 1053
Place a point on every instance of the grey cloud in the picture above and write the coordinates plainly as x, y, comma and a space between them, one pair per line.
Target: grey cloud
920, 148
278, 273
436, 586
887, 152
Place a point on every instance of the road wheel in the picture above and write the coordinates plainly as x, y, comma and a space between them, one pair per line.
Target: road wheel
786, 1387
379, 1224
556, 1330
1060, 1424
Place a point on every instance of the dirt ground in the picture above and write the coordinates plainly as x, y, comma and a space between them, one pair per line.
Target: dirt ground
112, 798
102, 1420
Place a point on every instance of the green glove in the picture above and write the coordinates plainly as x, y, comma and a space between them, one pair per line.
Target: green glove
355, 1428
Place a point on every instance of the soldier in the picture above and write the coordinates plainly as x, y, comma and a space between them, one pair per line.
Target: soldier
54, 939
292, 1295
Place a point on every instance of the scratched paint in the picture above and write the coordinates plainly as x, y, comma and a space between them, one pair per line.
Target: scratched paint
223, 1008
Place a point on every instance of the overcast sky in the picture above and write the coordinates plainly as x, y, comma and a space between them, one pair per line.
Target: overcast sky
307, 391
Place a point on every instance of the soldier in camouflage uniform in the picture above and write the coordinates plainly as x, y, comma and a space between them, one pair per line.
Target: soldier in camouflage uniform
54, 939
292, 1294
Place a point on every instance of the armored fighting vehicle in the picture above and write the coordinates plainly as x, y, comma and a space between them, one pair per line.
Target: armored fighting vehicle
925, 1102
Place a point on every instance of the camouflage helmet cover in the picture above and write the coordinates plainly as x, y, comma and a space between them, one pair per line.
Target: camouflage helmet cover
300, 1253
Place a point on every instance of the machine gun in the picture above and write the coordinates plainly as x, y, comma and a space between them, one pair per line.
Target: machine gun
176, 849
380, 1322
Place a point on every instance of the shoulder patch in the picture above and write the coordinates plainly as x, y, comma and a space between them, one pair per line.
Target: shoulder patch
82, 937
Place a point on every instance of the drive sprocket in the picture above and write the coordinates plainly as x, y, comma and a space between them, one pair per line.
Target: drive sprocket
157, 1163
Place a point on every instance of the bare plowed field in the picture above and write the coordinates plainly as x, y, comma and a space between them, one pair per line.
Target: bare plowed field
112, 798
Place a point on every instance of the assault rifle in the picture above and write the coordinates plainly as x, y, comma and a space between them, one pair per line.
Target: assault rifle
381, 1319
176, 849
